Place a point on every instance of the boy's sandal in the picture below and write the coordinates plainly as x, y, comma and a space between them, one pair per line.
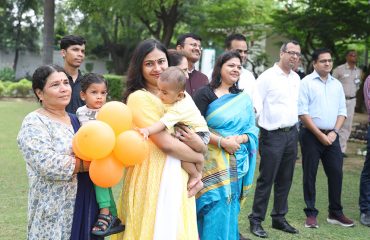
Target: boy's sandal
107, 225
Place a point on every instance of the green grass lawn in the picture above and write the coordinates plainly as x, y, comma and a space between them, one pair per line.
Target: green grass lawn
13, 189
13, 180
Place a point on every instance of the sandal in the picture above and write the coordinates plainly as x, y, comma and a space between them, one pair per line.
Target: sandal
107, 225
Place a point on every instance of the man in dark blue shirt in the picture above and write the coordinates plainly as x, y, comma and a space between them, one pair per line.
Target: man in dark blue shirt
73, 52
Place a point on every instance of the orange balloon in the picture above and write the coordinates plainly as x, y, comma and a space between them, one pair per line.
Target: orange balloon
131, 148
117, 115
95, 139
106, 172
77, 152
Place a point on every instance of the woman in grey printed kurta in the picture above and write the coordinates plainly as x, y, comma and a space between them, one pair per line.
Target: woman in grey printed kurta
46, 146
45, 139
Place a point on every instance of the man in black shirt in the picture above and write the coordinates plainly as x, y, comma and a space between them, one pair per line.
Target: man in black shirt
73, 52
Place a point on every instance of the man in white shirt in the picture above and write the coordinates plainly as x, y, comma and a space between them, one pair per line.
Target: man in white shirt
237, 42
278, 89
247, 82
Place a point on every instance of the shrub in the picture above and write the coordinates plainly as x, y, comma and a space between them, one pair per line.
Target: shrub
23, 88
2, 89
6, 92
116, 84
7, 74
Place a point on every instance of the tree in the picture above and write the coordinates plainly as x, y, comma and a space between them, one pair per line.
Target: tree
321, 23
48, 39
109, 30
216, 19
337, 25
160, 17
18, 26
115, 27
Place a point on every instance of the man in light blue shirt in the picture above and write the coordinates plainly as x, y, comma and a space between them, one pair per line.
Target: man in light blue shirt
322, 111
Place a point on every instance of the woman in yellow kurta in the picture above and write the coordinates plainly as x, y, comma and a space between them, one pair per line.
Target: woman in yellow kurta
139, 196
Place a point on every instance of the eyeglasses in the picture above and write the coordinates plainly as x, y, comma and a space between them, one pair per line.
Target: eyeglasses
326, 60
292, 53
194, 45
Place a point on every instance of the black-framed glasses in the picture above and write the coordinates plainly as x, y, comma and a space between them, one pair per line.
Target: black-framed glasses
326, 60
292, 53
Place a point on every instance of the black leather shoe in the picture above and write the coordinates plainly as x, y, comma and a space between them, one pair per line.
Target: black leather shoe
284, 226
257, 229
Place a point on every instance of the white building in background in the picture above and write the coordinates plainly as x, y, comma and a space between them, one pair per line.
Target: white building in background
28, 62
208, 61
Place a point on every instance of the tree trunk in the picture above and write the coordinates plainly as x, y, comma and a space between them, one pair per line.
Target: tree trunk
120, 56
168, 29
17, 40
15, 61
48, 38
169, 20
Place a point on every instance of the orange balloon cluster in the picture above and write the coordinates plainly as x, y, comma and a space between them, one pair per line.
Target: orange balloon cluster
110, 144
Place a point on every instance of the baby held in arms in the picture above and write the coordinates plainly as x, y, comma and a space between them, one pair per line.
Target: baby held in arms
180, 109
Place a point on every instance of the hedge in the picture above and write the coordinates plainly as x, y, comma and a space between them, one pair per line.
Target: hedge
23, 88
2, 88
116, 85
7, 74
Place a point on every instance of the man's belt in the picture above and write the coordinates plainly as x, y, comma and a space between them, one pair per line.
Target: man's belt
349, 98
285, 129
325, 131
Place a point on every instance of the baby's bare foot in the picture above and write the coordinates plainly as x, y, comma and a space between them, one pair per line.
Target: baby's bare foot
195, 189
193, 181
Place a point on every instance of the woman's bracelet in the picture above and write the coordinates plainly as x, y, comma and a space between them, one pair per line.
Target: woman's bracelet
81, 166
219, 142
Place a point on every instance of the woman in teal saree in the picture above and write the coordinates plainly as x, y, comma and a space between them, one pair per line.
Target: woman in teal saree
230, 164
